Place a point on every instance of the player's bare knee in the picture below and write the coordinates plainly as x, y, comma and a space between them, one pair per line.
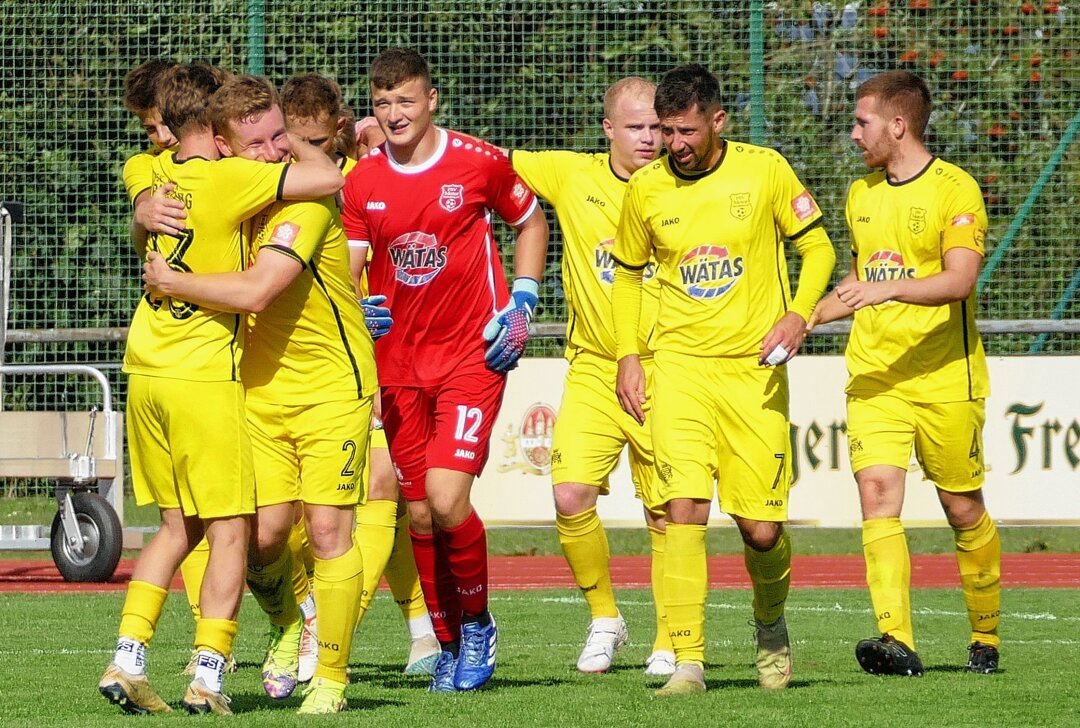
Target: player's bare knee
688, 511
760, 535
962, 510
329, 530
574, 498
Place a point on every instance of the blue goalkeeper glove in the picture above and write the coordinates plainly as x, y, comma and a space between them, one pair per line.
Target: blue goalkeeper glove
376, 316
508, 330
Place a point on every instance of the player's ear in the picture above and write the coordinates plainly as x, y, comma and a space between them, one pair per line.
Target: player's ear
223, 146
609, 129
433, 99
718, 120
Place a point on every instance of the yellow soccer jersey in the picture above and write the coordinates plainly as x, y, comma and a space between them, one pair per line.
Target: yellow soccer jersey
587, 196
718, 239
139, 171
920, 353
310, 345
173, 338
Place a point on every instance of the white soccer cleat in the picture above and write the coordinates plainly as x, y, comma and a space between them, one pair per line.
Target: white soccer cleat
606, 635
660, 664
309, 650
423, 654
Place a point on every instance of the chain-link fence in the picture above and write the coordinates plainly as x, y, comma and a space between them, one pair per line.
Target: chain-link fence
531, 74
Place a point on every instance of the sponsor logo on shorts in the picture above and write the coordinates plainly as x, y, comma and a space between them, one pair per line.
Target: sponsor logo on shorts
709, 271
774, 503
664, 471
556, 457
855, 445
464, 454
417, 258
887, 265
346, 486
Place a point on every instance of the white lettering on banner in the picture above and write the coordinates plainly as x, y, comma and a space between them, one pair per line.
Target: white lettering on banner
1031, 444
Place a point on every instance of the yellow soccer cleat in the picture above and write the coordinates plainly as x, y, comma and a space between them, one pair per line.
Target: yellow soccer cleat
773, 654
200, 699
688, 679
280, 670
133, 693
325, 696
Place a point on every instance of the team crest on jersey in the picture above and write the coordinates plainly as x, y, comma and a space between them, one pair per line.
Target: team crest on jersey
886, 265
709, 271
452, 197
285, 234
741, 206
916, 221
604, 263
417, 258
804, 206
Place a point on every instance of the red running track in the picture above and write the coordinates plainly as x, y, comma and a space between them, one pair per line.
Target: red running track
548, 572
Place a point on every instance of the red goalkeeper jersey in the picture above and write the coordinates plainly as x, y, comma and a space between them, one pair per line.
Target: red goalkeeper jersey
434, 254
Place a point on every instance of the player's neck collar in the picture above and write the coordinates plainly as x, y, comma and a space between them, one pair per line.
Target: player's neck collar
440, 149
912, 178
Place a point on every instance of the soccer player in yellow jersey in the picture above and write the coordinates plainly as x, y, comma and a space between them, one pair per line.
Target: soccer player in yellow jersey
309, 378
587, 191
316, 114
714, 214
918, 375
184, 392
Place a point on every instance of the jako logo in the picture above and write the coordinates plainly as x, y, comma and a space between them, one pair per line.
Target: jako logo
709, 271
886, 265
466, 454
418, 258
376, 205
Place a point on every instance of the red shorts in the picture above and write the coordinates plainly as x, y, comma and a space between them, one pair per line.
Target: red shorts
443, 426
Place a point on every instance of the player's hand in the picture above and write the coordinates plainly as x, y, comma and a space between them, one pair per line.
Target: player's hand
508, 330
376, 316
156, 273
159, 213
630, 387
783, 340
368, 134
860, 294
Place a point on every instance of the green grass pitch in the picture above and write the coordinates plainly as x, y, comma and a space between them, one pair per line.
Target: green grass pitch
56, 645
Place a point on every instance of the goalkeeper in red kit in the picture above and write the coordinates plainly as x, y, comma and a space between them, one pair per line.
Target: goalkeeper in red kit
423, 201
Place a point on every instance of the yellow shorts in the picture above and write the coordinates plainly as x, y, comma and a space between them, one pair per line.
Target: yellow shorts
592, 429
377, 439
946, 436
313, 453
723, 421
189, 446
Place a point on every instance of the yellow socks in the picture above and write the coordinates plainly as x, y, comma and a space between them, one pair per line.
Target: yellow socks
402, 576
770, 573
978, 554
658, 540
374, 536
301, 584
192, 569
338, 583
141, 611
888, 576
272, 587
585, 545
215, 634
686, 583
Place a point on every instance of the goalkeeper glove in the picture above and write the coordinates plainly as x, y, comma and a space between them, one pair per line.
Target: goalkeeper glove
376, 316
508, 330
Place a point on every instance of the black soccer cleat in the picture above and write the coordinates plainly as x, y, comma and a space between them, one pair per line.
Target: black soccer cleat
888, 656
982, 659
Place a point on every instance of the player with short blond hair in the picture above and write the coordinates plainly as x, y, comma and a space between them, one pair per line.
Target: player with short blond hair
917, 370
591, 431
714, 214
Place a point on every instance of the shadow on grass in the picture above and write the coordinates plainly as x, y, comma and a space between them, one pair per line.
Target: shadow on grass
257, 702
957, 668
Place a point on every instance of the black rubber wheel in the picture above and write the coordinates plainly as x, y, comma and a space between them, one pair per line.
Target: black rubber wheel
102, 539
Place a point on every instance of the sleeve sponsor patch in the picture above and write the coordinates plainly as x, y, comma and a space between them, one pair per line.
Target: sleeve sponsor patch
804, 206
961, 220
285, 234
519, 193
